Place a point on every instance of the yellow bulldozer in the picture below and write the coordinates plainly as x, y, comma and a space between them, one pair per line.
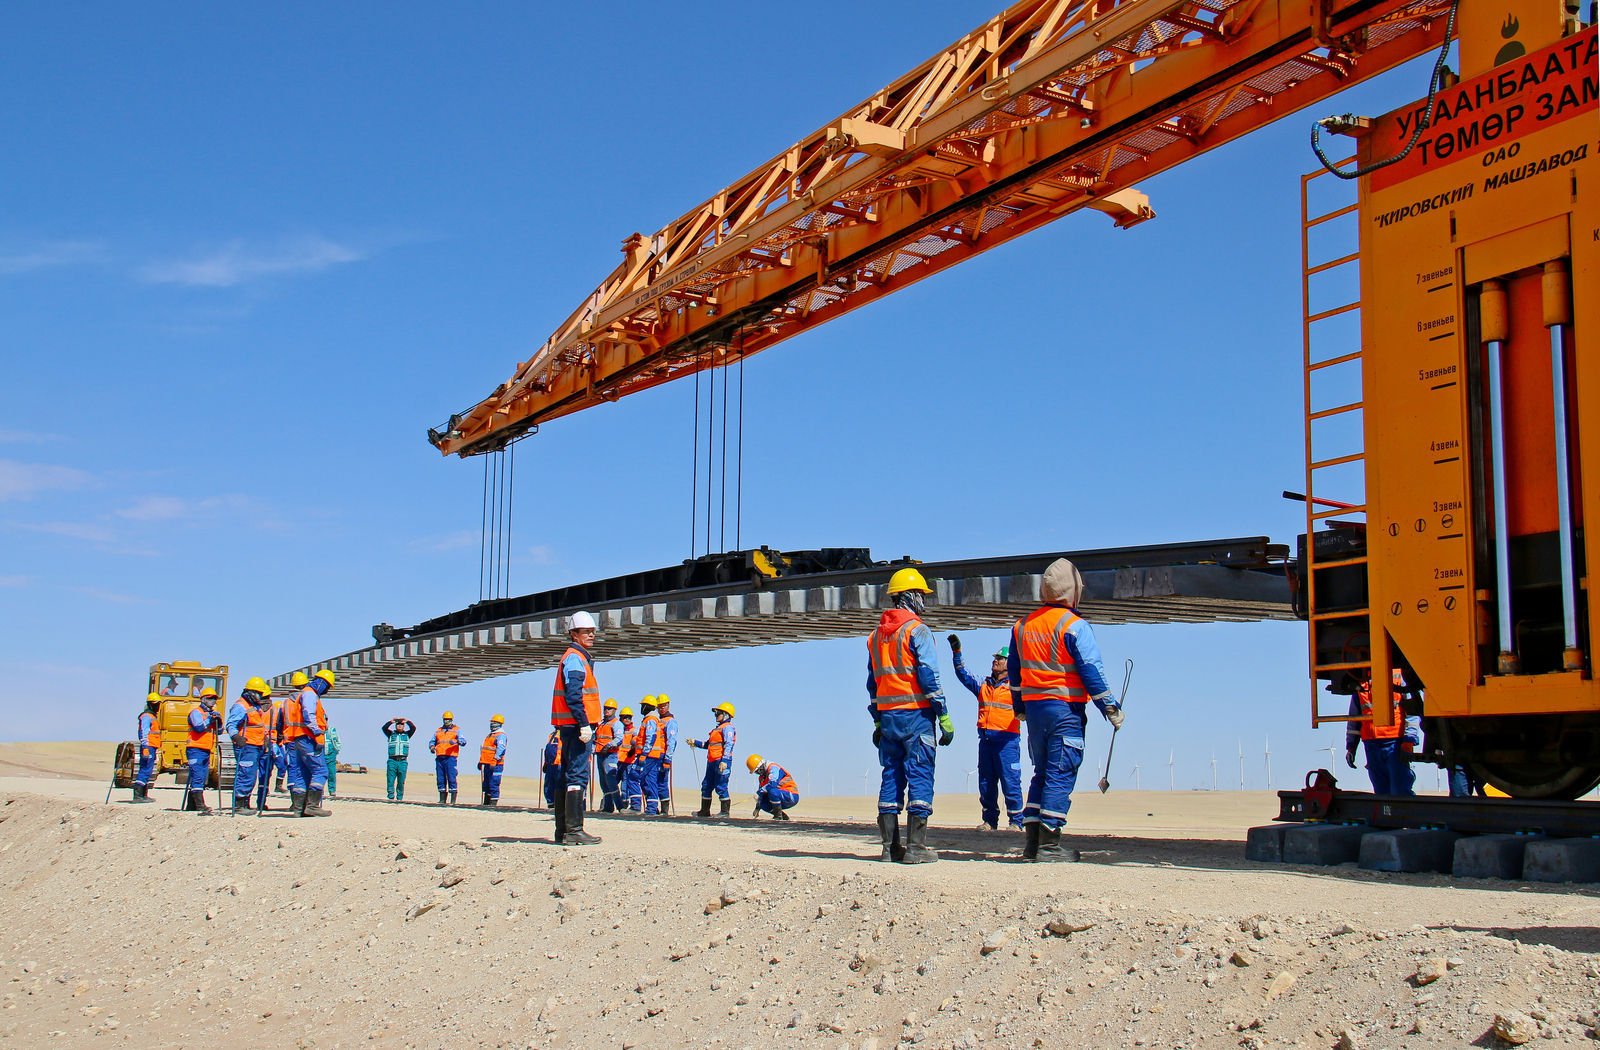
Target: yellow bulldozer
179, 684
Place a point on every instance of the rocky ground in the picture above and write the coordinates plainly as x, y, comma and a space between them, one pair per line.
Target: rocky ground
419, 926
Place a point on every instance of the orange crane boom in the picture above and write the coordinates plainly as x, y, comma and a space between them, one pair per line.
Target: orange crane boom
1050, 107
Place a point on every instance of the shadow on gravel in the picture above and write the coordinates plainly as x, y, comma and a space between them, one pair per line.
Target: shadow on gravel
1584, 939
508, 840
945, 853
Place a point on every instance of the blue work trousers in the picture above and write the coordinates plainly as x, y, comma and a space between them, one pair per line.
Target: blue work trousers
395, 778
633, 785
491, 782
247, 768
308, 765
271, 758
1055, 745
1000, 772
1463, 784
147, 766
907, 754
1391, 774
715, 780
199, 767
771, 799
650, 784
573, 772
610, 777
444, 772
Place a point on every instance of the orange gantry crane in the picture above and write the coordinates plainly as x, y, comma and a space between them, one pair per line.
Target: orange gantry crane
1445, 545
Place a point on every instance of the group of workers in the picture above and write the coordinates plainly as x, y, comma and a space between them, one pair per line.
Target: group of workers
290, 736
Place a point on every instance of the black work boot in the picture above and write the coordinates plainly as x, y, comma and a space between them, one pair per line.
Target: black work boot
561, 823
297, 803
726, 803
1030, 845
781, 814
889, 831
279, 788
705, 807
141, 793
917, 851
576, 836
241, 804
452, 798
444, 796
312, 807
197, 803
1050, 848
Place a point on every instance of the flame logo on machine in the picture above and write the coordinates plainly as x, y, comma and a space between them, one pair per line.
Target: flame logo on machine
1512, 49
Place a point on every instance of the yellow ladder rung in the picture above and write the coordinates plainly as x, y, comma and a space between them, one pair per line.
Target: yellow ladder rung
1318, 515
1318, 720
1338, 460
1331, 263
1352, 666
1353, 614
1324, 413
1334, 563
1330, 362
1320, 219
1335, 312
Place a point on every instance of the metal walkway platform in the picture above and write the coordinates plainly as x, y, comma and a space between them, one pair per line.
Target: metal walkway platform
1218, 580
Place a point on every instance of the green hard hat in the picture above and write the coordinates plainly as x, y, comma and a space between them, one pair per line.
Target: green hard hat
1004, 653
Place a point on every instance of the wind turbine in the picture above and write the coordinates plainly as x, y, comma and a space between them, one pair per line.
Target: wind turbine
970, 774
1136, 777
1333, 756
1241, 765
1172, 774
1266, 757
1213, 771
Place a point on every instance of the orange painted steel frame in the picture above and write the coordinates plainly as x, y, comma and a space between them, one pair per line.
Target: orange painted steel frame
1050, 107
1506, 186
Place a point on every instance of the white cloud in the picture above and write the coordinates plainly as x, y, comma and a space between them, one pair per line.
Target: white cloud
72, 530
20, 480
539, 554
15, 581
100, 594
26, 437
238, 262
451, 541
177, 508
49, 255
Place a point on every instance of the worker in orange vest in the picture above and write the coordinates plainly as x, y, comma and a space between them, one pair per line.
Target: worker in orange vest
575, 714
305, 740
669, 746
1389, 747
249, 726
492, 760
650, 744
607, 744
203, 725
1054, 669
149, 747
278, 764
718, 746
552, 768
446, 746
627, 756
776, 791
999, 740
909, 714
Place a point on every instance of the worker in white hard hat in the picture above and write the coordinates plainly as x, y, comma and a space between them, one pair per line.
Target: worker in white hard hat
1054, 668
909, 716
575, 714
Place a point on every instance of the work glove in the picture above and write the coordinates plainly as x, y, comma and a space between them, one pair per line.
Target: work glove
947, 730
955, 643
1350, 756
586, 734
722, 768
1115, 716
877, 734
238, 739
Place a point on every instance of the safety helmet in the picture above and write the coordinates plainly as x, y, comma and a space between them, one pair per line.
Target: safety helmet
448, 715
1003, 653
908, 580
663, 700
153, 699
298, 680
326, 675
257, 685
753, 762
626, 712
208, 693
581, 621
611, 702
725, 707
649, 701
497, 720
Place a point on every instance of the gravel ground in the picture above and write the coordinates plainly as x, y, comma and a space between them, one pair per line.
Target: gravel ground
419, 926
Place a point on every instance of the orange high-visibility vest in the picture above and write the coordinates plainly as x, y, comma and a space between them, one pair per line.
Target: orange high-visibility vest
486, 755
276, 725
294, 713
894, 668
994, 709
204, 739
560, 714
150, 732
605, 736
714, 744
447, 742
255, 725
625, 750
785, 782
1369, 731
1048, 670
658, 746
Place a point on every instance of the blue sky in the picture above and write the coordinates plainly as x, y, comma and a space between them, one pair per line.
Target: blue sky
249, 255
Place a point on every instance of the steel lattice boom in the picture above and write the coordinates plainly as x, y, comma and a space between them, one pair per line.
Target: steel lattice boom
1052, 106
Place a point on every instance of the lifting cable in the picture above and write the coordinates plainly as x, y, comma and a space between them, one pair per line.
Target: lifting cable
716, 459
1347, 120
494, 526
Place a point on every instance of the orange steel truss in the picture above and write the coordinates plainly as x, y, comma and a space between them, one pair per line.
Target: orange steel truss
1052, 106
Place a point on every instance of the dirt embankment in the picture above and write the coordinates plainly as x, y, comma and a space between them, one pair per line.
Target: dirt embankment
405, 926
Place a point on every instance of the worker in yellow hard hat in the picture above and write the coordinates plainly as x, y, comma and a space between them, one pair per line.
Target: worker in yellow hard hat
607, 745
204, 721
305, 741
492, 760
718, 746
651, 745
149, 739
446, 748
909, 714
776, 790
627, 756
669, 746
249, 727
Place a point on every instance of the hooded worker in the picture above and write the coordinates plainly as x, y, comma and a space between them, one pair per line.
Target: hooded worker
909, 715
552, 769
149, 747
249, 726
1054, 669
305, 742
575, 714
999, 739
446, 748
607, 745
649, 746
331, 757
627, 762
203, 725
776, 790
492, 760
718, 747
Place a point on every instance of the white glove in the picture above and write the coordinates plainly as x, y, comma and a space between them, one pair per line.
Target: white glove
586, 734
1115, 716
